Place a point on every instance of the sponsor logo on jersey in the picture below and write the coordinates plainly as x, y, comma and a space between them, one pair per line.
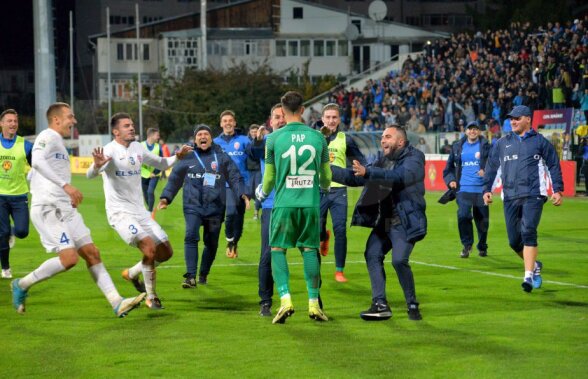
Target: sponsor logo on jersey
513, 157
127, 172
470, 164
61, 156
297, 182
234, 153
200, 175
7, 165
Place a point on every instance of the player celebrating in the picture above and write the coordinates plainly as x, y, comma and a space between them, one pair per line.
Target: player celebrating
54, 214
120, 165
294, 156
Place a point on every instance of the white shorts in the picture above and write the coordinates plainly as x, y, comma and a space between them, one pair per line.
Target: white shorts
133, 228
60, 228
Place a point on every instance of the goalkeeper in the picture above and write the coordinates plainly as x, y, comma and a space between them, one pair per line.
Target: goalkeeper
296, 160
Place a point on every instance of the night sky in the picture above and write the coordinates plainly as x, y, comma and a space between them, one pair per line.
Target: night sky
16, 35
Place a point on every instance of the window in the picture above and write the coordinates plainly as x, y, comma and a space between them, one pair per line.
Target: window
145, 52
280, 48
292, 48
357, 24
305, 48
129, 51
120, 52
319, 48
250, 47
331, 48
343, 48
297, 13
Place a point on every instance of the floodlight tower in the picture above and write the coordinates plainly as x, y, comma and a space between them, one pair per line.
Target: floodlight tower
44, 62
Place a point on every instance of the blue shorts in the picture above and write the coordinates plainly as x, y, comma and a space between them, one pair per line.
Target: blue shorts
522, 218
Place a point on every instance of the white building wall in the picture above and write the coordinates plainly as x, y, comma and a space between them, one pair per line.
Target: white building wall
316, 20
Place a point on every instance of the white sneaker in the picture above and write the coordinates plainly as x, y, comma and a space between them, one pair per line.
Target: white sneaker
128, 304
11, 241
6, 274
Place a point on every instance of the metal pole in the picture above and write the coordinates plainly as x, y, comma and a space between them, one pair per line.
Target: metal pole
71, 72
108, 78
44, 62
139, 57
204, 53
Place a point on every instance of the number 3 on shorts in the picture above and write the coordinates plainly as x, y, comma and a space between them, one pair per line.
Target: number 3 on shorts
133, 229
64, 240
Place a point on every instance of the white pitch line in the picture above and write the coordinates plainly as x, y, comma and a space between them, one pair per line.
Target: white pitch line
490, 273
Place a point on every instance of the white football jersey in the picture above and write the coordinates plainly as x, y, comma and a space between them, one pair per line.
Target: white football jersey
49, 151
122, 176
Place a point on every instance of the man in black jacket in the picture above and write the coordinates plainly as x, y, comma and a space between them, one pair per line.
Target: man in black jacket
392, 203
204, 176
464, 173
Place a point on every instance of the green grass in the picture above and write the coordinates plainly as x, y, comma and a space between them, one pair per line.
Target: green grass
478, 323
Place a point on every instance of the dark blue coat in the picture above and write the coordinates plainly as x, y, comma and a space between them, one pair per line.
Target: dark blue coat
452, 171
396, 181
523, 163
189, 173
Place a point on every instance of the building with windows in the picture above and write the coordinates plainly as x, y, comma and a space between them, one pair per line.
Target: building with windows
289, 35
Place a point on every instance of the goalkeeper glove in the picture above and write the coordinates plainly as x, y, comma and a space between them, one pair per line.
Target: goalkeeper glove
259, 194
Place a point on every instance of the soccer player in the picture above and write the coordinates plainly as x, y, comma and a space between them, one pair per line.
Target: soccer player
150, 175
296, 160
54, 214
119, 162
342, 151
235, 145
464, 172
16, 153
524, 157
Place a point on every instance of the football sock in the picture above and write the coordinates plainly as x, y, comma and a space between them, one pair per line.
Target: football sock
339, 269
311, 272
528, 274
104, 282
138, 268
47, 269
280, 272
149, 279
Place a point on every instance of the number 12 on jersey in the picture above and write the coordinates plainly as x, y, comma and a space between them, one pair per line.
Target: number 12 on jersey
300, 177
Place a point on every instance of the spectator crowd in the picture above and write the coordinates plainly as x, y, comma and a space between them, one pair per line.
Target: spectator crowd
476, 77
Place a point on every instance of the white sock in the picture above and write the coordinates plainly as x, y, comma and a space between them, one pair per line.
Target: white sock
46, 270
528, 274
149, 279
104, 282
138, 268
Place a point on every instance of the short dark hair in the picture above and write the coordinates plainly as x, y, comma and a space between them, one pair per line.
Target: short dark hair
292, 101
331, 107
55, 109
8, 111
227, 112
152, 131
399, 129
116, 117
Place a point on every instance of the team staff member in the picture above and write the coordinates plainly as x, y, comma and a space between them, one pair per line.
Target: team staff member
392, 203
254, 167
55, 216
342, 151
15, 153
523, 156
235, 145
297, 165
204, 176
150, 175
264, 271
464, 172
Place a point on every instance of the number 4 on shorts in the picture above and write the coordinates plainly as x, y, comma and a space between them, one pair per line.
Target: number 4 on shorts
64, 240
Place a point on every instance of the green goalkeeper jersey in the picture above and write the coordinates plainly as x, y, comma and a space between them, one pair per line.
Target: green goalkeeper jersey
297, 152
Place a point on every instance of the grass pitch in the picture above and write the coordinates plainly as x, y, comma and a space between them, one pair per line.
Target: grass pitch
478, 323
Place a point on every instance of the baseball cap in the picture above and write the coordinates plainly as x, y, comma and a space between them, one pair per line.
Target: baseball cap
473, 124
520, 111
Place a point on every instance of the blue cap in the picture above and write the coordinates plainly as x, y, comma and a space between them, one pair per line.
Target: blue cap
520, 111
473, 124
